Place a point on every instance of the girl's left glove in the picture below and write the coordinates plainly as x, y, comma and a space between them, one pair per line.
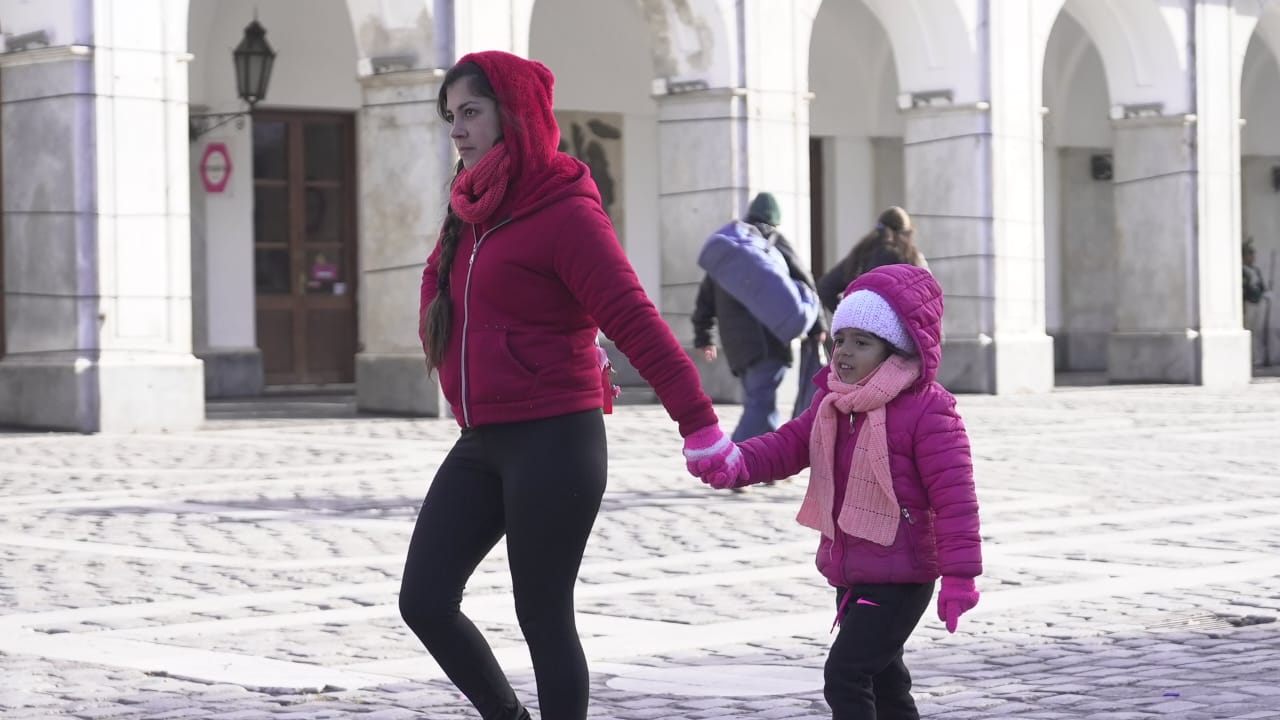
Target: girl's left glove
707, 453
958, 596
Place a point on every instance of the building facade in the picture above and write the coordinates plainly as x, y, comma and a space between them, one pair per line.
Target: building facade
1082, 174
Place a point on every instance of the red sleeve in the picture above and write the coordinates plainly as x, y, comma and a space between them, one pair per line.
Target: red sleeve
592, 265
945, 464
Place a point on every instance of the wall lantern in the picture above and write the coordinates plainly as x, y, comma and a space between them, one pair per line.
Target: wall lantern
253, 59
1100, 167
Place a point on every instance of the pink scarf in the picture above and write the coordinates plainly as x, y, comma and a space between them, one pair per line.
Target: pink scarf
870, 508
478, 192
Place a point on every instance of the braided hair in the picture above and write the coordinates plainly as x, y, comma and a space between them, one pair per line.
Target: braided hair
438, 323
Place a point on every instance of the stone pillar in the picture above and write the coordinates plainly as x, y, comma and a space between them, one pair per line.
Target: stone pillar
1222, 36
1155, 193
1177, 301
97, 235
223, 292
1178, 304
975, 184
986, 251
405, 166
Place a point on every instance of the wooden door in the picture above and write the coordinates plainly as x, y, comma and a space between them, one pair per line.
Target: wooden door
304, 246
817, 208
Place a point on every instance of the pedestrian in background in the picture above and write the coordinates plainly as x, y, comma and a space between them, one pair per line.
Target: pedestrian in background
1257, 303
757, 357
526, 266
890, 487
890, 242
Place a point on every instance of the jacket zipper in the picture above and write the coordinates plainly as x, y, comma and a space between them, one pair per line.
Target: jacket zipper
907, 515
466, 314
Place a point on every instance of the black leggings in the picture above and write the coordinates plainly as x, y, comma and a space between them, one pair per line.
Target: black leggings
866, 678
539, 482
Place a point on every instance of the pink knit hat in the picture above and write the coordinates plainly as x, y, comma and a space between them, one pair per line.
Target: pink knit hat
865, 310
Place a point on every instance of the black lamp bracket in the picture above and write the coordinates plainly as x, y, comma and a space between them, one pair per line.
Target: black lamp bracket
200, 124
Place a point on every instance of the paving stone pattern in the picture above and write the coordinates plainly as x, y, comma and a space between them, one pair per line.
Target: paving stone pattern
250, 570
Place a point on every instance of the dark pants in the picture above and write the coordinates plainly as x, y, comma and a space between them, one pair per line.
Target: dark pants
865, 676
539, 483
760, 383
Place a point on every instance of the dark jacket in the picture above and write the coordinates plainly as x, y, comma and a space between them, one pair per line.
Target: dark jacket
833, 282
744, 340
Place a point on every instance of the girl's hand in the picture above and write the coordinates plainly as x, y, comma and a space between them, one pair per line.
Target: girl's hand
725, 477
958, 596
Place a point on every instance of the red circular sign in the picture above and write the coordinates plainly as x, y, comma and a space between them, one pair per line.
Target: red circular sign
215, 167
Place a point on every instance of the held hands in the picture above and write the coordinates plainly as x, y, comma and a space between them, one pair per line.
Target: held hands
957, 597
713, 458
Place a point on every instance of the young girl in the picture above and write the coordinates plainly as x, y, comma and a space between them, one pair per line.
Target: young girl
890, 487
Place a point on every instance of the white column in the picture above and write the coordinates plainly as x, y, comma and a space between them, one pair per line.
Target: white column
975, 184
98, 233
405, 165
1155, 193
1221, 39
987, 254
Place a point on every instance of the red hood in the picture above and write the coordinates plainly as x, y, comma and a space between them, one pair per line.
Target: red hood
540, 173
916, 297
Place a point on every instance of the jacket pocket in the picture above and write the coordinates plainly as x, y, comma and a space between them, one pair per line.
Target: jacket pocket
495, 374
924, 550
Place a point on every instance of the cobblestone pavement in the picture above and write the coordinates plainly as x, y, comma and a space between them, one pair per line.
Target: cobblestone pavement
249, 570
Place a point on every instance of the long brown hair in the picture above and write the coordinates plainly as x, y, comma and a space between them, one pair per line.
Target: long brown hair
438, 323
891, 242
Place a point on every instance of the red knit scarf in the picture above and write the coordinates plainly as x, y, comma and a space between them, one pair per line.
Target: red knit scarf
870, 507
478, 192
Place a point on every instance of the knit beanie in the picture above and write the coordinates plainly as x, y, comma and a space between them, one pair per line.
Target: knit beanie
764, 208
865, 310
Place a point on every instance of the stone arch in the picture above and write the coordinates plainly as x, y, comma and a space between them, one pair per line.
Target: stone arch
689, 40
1079, 206
945, 56
396, 35
609, 120
1143, 60
1268, 29
1260, 155
854, 125
693, 40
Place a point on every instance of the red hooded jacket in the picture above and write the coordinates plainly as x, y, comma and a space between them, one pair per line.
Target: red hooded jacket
928, 455
530, 291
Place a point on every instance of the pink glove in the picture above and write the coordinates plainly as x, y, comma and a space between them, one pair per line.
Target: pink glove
957, 597
708, 453
728, 475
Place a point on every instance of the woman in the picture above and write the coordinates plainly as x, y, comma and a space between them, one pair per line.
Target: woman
891, 242
525, 268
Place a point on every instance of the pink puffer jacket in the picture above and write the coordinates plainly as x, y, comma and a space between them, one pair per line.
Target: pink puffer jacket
928, 455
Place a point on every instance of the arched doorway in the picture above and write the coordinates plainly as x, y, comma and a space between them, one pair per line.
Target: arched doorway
1260, 185
274, 245
856, 161
1079, 204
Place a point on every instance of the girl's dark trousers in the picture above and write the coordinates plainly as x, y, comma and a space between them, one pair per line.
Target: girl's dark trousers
540, 483
865, 676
